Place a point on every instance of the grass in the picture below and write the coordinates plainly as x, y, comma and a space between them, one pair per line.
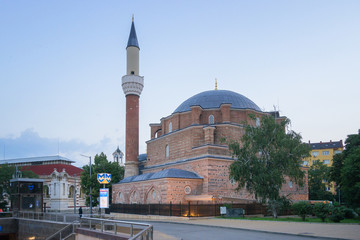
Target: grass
294, 219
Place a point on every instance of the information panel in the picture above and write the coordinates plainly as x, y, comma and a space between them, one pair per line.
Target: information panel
104, 198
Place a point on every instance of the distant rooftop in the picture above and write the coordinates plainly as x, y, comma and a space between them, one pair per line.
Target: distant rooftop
49, 168
36, 159
325, 145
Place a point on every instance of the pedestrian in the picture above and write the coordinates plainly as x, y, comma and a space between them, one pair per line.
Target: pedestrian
80, 212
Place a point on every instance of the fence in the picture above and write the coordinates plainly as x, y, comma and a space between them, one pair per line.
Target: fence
184, 210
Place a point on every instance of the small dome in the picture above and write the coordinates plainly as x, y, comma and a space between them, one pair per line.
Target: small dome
214, 98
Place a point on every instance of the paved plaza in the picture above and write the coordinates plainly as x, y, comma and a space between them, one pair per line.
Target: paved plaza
320, 230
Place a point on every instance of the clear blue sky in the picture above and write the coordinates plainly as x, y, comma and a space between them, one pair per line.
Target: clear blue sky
61, 64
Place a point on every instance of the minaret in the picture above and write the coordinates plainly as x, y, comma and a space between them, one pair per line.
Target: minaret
132, 85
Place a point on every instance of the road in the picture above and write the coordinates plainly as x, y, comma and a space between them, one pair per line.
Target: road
179, 231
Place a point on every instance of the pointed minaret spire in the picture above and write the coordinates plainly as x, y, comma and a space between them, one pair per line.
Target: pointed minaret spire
133, 42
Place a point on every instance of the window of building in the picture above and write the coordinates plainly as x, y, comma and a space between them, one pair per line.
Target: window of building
132, 72
315, 154
305, 163
71, 191
257, 122
211, 119
290, 184
315, 161
167, 151
54, 189
337, 151
153, 194
325, 153
170, 127
63, 188
327, 189
326, 162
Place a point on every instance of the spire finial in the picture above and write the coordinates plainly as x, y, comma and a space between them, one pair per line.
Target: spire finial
216, 84
133, 17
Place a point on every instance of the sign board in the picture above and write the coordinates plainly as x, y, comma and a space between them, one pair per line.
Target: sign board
104, 198
104, 178
222, 210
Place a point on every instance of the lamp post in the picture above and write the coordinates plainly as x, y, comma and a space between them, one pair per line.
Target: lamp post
90, 184
75, 195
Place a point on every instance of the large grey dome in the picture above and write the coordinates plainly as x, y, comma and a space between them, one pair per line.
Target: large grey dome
214, 98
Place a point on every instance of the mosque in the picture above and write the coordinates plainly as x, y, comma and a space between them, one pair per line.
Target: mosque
186, 159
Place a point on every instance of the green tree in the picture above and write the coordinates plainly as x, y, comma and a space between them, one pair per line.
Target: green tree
6, 174
265, 156
350, 172
318, 177
321, 210
335, 169
335, 174
101, 165
302, 209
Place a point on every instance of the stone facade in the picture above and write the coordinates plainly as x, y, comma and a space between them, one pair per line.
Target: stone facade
189, 142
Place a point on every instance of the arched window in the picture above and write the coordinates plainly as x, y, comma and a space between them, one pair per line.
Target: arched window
167, 150
211, 119
170, 127
71, 191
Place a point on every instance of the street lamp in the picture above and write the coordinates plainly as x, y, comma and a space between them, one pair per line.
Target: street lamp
90, 184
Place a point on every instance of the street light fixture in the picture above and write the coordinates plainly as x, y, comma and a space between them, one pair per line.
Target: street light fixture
90, 184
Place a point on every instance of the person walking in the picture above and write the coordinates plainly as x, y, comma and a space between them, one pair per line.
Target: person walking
80, 212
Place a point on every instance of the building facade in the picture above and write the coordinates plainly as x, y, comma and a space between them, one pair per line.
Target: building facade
61, 180
186, 158
324, 152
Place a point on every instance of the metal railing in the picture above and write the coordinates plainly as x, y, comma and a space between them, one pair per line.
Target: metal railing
64, 232
55, 217
135, 230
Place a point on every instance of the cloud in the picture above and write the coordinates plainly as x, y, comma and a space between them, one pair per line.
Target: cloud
31, 144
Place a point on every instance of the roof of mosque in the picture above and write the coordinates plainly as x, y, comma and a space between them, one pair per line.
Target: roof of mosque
167, 173
214, 98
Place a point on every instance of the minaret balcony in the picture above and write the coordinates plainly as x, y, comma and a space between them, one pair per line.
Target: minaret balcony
132, 84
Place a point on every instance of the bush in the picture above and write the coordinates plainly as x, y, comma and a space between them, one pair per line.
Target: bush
349, 213
321, 210
337, 214
302, 209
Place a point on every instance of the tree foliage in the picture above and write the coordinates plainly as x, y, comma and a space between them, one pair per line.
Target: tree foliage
302, 209
265, 156
100, 165
350, 172
335, 169
318, 176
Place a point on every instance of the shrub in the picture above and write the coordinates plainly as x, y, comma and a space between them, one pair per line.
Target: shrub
302, 209
349, 213
337, 214
321, 210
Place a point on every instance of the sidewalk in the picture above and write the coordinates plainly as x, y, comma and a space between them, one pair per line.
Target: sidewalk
329, 230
